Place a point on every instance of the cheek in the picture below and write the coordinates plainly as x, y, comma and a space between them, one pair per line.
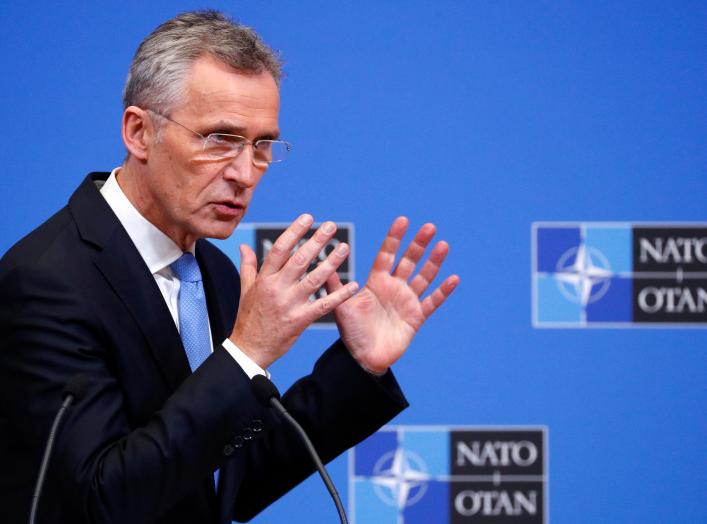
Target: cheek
199, 188
170, 178
188, 186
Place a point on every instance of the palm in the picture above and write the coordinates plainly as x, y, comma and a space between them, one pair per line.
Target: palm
378, 324
381, 320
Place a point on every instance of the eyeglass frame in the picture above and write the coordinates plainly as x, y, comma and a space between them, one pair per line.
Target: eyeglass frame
245, 141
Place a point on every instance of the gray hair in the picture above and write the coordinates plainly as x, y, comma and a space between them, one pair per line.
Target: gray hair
159, 68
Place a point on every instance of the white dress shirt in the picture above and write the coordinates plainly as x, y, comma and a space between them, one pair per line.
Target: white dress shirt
159, 251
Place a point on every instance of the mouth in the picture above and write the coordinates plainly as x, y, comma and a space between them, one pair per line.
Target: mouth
229, 208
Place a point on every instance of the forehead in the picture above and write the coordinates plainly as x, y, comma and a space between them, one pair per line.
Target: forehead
215, 91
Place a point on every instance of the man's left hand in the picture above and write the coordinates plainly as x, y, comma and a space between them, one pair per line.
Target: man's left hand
378, 323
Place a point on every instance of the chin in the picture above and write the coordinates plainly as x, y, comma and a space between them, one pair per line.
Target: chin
222, 231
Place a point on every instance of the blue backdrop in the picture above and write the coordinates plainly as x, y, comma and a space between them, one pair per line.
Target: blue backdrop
482, 117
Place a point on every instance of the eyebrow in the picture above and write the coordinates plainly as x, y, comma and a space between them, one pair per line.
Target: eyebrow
231, 129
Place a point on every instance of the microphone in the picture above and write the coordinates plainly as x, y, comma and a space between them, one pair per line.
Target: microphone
73, 391
266, 392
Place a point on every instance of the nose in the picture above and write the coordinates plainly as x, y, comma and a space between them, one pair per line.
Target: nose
242, 171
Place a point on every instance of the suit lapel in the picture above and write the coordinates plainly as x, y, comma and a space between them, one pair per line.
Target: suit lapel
132, 281
123, 268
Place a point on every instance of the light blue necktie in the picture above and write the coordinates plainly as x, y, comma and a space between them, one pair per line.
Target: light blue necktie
193, 316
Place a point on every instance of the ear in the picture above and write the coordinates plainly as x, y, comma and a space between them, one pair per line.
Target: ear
138, 132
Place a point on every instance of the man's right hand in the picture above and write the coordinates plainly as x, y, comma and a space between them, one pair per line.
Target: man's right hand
275, 308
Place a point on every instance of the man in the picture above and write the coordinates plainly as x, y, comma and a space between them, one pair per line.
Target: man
121, 287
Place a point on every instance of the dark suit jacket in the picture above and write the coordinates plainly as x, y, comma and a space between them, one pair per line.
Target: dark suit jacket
143, 442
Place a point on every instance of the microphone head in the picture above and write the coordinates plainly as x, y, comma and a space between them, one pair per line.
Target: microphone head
263, 389
76, 387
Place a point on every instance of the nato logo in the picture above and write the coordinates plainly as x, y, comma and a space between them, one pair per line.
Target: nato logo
608, 274
262, 236
455, 475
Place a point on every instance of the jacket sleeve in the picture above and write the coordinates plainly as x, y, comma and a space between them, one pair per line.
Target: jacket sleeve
338, 404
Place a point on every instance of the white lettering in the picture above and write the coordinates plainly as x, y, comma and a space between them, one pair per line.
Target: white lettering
493, 503
670, 294
672, 300
497, 453
504, 505
676, 250
701, 299
654, 251
643, 300
671, 249
462, 508
686, 300
530, 503
532, 453
700, 249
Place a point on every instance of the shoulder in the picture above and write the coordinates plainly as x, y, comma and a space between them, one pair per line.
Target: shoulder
45, 263
59, 239
39, 245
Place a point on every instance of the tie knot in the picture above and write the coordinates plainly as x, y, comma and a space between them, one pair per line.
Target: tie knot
186, 268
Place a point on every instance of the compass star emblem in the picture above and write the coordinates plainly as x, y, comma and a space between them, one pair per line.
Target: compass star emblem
400, 478
583, 274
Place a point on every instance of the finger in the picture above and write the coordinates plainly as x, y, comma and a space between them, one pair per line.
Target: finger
298, 263
319, 275
429, 270
333, 283
413, 253
439, 295
386, 254
327, 304
280, 251
249, 268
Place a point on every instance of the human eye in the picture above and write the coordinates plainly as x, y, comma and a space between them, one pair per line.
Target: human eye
223, 138
222, 144
262, 150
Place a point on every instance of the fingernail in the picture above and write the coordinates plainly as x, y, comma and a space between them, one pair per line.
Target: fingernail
342, 249
353, 286
305, 219
328, 227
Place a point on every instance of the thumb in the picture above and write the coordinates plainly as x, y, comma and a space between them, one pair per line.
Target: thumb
249, 268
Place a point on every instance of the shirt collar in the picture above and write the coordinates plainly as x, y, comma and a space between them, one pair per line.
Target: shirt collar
156, 249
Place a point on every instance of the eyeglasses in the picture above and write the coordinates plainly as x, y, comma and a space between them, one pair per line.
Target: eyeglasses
218, 146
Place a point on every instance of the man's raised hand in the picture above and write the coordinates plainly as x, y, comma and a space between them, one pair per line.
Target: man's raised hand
275, 307
378, 323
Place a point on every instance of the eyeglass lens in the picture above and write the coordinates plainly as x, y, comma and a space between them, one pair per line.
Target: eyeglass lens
265, 152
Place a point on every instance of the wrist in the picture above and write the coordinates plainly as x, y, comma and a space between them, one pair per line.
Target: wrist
359, 355
376, 371
248, 365
248, 349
